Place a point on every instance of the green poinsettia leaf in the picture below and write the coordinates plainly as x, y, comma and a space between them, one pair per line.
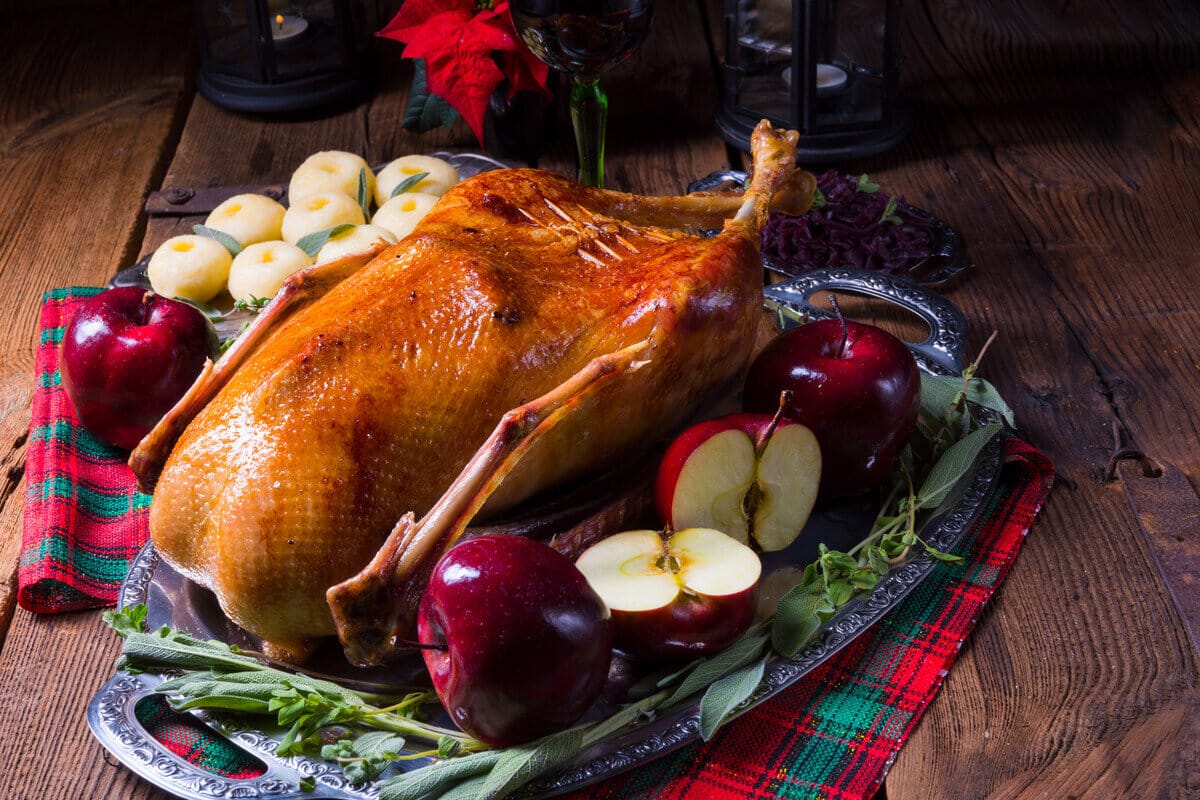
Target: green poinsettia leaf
426, 110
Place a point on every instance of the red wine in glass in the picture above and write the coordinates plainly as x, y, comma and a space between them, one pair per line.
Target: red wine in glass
583, 38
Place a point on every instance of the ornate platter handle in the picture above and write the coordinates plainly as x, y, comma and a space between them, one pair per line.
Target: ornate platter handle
942, 351
111, 716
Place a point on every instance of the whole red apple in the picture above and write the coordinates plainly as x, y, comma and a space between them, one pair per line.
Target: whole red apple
751, 476
525, 642
674, 598
855, 385
128, 355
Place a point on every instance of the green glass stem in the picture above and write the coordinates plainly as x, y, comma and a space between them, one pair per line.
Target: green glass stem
589, 116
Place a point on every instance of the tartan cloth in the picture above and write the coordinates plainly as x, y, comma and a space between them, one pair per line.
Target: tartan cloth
83, 520
194, 742
833, 735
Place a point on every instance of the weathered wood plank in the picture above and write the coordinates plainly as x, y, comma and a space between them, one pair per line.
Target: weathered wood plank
91, 104
1063, 173
77, 155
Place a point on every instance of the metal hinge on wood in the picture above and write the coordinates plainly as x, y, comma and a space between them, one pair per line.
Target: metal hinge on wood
181, 201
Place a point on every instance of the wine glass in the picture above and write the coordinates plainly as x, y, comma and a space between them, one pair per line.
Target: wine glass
583, 38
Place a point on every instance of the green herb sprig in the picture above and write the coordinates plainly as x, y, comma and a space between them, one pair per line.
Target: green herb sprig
228, 242
313, 242
408, 183
254, 305
889, 213
363, 196
866, 185
214, 676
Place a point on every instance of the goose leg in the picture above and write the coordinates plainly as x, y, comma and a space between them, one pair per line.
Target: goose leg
790, 191
376, 609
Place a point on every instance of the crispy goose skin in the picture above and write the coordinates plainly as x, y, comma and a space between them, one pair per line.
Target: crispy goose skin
367, 401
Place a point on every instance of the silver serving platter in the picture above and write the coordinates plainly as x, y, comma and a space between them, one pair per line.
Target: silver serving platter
172, 600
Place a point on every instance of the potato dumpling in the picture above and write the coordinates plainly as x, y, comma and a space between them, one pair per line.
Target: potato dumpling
260, 269
191, 267
319, 212
440, 178
249, 218
402, 213
355, 240
329, 171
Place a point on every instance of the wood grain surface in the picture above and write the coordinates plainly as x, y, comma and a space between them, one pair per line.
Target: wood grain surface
1062, 140
86, 125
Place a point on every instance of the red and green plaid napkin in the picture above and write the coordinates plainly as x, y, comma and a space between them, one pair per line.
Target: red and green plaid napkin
84, 520
831, 736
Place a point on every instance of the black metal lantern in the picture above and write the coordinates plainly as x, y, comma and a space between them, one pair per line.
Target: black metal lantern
284, 55
827, 68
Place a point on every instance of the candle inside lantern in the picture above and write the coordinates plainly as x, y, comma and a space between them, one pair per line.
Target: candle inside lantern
287, 26
830, 79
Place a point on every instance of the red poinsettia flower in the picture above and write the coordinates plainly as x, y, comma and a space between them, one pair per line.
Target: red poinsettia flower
468, 51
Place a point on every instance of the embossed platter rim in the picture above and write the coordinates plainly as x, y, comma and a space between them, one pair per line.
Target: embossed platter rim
111, 712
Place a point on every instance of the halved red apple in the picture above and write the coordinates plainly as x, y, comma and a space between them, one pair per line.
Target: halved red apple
673, 598
746, 475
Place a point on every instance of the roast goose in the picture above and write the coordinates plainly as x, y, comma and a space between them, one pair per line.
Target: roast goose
528, 332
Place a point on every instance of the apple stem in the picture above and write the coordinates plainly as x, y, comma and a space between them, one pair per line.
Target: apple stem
785, 399
410, 643
147, 298
837, 309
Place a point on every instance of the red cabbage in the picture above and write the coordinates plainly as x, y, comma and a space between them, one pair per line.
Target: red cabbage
849, 230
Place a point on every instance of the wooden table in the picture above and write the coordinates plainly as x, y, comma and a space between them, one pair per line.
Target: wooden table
1062, 140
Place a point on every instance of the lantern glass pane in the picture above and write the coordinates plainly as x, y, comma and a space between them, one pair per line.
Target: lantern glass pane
311, 39
850, 88
229, 42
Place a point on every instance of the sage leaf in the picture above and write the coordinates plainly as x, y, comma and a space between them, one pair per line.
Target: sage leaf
954, 464
796, 620
377, 743
364, 199
182, 652
470, 789
746, 649
222, 702
519, 765
983, 393
228, 242
726, 694
938, 393
313, 242
433, 780
409, 182
308, 784
949, 558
